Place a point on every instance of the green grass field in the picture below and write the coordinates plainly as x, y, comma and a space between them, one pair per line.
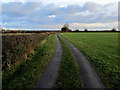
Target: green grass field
29, 71
102, 51
69, 70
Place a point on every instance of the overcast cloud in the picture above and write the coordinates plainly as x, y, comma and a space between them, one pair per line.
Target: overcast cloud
53, 14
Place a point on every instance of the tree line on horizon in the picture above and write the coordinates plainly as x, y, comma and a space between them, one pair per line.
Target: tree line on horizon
66, 28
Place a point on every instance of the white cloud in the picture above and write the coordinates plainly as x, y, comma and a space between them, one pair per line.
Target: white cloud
23, 1
80, 2
37, 9
111, 8
48, 26
20, 8
65, 2
52, 16
84, 13
90, 15
94, 25
63, 6
92, 7
81, 26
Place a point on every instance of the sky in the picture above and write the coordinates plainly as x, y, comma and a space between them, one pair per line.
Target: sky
53, 14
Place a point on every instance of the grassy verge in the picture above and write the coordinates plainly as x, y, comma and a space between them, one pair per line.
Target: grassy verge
102, 51
69, 76
30, 70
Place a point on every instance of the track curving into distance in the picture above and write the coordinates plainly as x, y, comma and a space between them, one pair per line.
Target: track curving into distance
51, 73
88, 75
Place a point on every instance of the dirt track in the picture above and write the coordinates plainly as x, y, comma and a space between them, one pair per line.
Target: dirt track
88, 75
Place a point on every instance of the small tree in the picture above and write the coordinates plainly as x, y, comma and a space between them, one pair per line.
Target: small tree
65, 28
77, 30
86, 30
113, 30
